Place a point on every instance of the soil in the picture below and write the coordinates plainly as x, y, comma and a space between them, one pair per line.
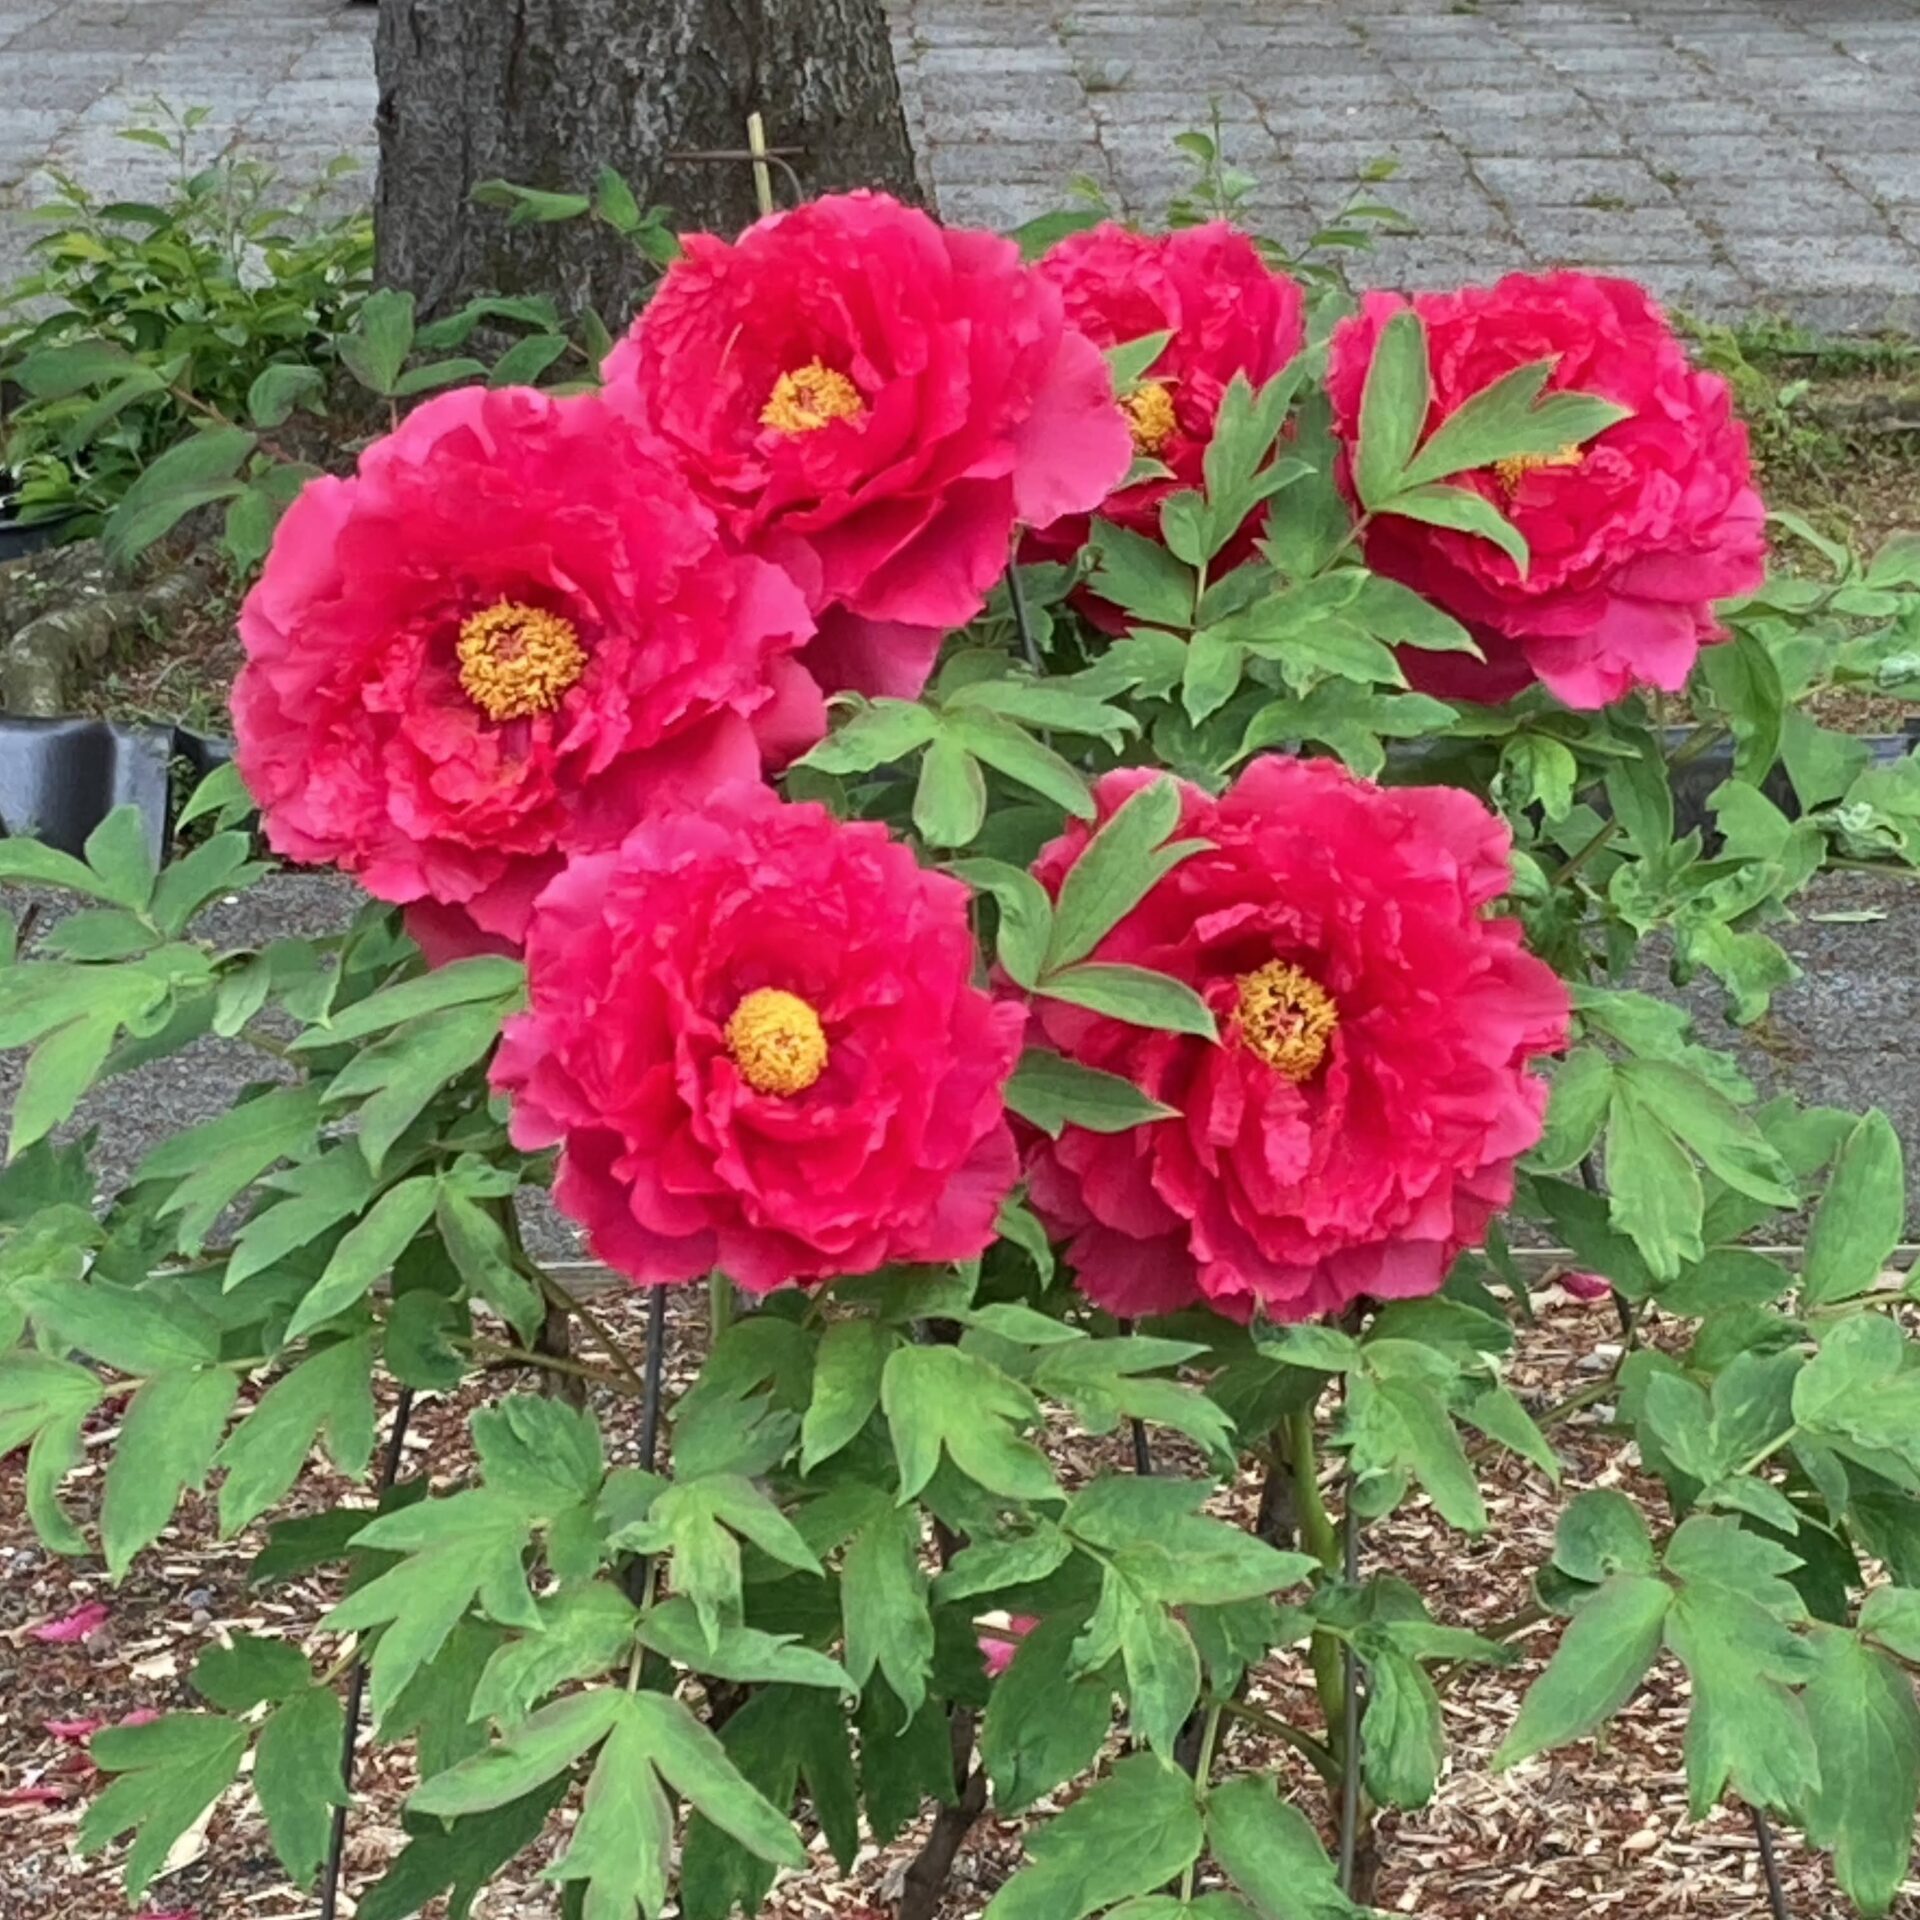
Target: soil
1599, 1828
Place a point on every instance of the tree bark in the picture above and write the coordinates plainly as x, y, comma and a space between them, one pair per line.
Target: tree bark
544, 93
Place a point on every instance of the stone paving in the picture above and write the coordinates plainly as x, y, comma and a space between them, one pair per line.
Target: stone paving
1739, 155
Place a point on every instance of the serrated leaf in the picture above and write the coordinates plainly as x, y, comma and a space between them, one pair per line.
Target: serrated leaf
846, 1388
1866, 1735
584, 1632
1272, 1854
167, 1441
883, 1598
1596, 1669
944, 1399
248, 1670
526, 1757
169, 1772
461, 1549
296, 1774
368, 1250
1861, 1216
1128, 1834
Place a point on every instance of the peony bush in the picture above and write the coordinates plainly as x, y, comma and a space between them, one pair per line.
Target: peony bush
1081, 827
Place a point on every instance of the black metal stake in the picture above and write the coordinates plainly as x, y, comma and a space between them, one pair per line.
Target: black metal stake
1776, 1893
633, 1575
357, 1681
1142, 1453
655, 1368
1350, 1706
1022, 625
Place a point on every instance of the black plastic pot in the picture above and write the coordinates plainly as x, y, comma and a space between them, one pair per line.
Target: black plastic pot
60, 778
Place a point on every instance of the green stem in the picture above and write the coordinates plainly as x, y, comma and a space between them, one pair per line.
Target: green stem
1770, 1449
719, 1308
1318, 1536
1321, 1757
1202, 1769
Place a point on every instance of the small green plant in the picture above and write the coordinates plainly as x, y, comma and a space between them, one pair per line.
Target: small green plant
187, 336
142, 318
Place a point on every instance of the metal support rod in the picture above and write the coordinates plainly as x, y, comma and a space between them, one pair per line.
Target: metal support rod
1776, 1893
1022, 624
654, 1368
1350, 1716
357, 1682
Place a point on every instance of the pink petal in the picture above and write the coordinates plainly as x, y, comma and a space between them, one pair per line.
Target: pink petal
81, 1624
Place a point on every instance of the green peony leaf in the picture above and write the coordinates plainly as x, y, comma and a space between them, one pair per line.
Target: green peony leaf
168, 1773
1128, 1834
1596, 1669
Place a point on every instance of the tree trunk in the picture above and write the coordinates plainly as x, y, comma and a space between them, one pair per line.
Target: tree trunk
544, 93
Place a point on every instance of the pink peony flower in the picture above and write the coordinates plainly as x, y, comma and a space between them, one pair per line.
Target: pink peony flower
81, 1624
998, 1645
1228, 312
1633, 537
754, 1033
874, 401
1357, 1123
513, 630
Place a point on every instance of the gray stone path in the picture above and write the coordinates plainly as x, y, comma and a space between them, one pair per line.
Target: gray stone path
1736, 154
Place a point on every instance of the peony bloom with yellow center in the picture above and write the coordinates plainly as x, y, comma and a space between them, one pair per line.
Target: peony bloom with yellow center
1357, 1121
516, 660
764, 1148
1286, 1017
777, 1041
1516, 466
805, 399
1150, 415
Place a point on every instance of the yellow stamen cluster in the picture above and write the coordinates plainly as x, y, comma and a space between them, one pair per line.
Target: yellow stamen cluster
777, 1041
1149, 411
808, 398
1286, 1017
516, 660
1516, 466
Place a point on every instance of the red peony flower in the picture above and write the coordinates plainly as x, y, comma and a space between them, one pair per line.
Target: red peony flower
1633, 537
755, 1034
874, 401
513, 629
1228, 312
1358, 1122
